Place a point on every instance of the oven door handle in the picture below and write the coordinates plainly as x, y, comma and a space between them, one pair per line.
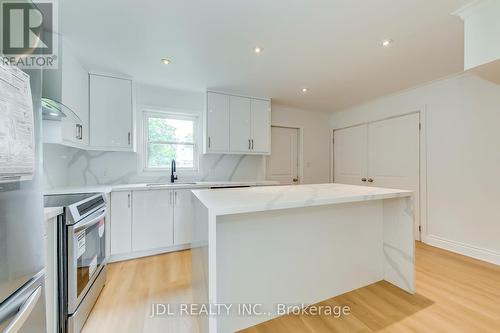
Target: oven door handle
90, 220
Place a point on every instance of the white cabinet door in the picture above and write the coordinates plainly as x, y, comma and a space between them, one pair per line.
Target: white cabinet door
394, 156
261, 126
121, 223
110, 113
75, 95
217, 123
152, 222
183, 216
350, 155
240, 124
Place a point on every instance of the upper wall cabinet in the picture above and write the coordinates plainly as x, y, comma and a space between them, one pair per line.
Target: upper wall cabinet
261, 126
482, 38
66, 89
237, 125
217, 123
240, 124
111, 113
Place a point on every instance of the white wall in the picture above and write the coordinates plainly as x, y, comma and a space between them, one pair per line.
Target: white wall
463, 159
65, 166
316, 140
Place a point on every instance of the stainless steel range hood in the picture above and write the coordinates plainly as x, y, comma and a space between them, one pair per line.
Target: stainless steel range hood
53, 110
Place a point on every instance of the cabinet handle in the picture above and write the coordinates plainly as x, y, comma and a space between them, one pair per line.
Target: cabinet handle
175, 198
363, 179
252, 144
128, 200
209, 142
129, 138
170, 198
79, 132
370, 180
249, 144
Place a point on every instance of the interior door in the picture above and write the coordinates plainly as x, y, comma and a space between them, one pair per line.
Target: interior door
394, 156
350, 155
239, 124
282, 164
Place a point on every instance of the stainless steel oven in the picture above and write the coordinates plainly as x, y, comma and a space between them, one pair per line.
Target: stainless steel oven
82, 258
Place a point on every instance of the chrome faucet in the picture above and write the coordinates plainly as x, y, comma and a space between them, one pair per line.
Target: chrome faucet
173, 172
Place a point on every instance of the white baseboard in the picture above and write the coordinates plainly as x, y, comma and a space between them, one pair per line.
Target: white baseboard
464, 249
147, 253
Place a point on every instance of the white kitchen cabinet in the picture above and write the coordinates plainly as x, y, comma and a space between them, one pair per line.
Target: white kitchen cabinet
240, 116
261, 126
149, 222
217, 123
183, 216
75, 89
121, 223
237, 125
152, 220
111, 113
69, 86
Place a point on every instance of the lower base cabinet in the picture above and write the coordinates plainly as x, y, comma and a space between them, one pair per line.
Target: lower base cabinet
152, 220
145, 222
183, 216
121, 223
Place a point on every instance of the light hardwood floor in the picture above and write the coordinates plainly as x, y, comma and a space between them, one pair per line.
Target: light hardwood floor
454, 294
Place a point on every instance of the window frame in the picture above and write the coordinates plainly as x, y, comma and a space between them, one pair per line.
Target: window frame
146, 114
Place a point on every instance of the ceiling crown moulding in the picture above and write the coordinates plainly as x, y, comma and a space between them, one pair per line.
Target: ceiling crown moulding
466, 10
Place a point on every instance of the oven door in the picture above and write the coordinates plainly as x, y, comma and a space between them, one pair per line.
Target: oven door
86, 255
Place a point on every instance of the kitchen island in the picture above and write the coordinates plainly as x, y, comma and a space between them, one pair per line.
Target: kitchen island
258, 249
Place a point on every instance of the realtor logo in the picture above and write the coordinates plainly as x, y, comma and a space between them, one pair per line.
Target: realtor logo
27, 33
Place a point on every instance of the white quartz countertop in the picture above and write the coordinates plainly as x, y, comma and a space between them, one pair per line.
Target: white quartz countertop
51, 212
256, 199
79, 189
153, 186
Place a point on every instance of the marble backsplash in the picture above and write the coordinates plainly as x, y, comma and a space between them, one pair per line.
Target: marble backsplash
66, 166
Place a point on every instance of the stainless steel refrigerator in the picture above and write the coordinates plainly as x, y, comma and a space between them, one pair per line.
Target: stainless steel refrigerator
22, 257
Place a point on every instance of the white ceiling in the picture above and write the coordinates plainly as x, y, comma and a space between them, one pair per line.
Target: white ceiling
330, 46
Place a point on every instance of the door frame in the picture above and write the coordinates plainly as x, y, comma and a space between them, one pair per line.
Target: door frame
300, 150
422, 111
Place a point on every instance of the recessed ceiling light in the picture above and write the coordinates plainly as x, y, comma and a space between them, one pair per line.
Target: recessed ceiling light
387, 42
304, 90
257, 49
165, 61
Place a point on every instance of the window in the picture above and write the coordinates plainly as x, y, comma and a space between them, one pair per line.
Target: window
168, 137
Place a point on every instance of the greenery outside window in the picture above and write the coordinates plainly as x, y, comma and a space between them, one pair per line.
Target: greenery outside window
169, 136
